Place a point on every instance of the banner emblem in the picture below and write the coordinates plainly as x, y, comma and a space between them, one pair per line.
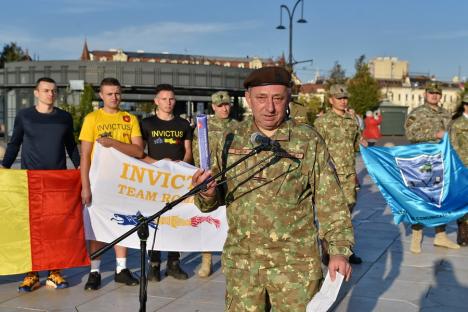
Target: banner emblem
424, 176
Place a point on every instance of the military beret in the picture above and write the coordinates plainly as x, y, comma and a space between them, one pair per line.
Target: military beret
338, 91
433, 87
271, 75
220, 97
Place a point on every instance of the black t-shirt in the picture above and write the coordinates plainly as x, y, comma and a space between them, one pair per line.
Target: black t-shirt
44, 138
165, 138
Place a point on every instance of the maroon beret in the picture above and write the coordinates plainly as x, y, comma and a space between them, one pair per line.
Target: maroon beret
271, 75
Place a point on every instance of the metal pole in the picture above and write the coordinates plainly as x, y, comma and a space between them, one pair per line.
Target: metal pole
290, 37
290, 16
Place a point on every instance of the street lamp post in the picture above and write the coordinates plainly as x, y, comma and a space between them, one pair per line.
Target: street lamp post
291, 16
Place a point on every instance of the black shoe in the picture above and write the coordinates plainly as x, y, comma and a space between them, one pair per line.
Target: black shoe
126, 277
353, 259
94, 281
154, 274
174, 270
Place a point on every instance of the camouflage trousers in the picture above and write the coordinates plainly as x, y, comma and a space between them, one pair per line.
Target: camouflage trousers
246, 291
348, 184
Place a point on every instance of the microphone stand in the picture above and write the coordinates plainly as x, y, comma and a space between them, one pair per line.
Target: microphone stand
143, 230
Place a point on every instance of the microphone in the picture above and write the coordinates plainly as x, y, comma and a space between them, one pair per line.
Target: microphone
259, 139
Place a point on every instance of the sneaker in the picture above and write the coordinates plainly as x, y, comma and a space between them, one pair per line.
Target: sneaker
126, 277
154, 273
30, 282
56, 280
94, 281
173, 269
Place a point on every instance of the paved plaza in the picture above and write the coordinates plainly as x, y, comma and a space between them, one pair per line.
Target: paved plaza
391, 278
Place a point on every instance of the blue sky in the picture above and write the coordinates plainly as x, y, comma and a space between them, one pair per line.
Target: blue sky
431, 34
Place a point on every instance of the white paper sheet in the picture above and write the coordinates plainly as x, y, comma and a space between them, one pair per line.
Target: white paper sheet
327, 295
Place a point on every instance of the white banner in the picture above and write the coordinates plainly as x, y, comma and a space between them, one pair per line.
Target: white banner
122, 187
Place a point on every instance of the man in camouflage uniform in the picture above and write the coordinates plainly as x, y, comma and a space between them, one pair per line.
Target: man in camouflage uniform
271, 248
459, 139
220, 122
341, 133
428, 124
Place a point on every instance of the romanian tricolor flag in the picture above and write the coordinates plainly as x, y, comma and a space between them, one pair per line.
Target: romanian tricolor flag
41, 222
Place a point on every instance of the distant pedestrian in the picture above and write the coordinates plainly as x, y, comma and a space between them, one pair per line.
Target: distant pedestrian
429, 123
459, 140
372, 127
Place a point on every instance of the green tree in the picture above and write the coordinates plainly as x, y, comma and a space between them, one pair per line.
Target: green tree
12, 52
311, 103
364, 90
80, 111
337, 75
146, 107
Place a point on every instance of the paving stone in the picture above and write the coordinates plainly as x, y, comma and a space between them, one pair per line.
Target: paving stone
391, 278
363, 304
118, 301
391, 289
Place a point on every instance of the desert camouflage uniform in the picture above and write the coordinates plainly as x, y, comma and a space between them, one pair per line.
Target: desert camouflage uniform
216, 128
342, 135
272, 238
424, 122
459, 138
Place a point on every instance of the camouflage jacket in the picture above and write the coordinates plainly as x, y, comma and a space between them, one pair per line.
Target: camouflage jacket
342, 135
459, 138
298, 112
269, 207
424, 122
216, 128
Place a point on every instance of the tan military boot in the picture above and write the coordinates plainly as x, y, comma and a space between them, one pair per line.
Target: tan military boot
205, 269
441, 239
416, 239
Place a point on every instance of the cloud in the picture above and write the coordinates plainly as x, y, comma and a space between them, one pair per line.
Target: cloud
157, 37
19, 36
89, 6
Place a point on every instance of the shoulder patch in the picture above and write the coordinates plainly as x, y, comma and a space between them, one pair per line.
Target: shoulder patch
239, 151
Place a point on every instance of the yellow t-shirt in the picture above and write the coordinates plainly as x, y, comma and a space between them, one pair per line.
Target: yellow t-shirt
121, 126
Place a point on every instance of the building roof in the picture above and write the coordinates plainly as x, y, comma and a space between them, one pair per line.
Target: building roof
175, 56
85, 53
311, 87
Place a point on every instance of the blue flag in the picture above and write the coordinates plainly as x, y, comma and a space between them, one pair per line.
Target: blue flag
422, 183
